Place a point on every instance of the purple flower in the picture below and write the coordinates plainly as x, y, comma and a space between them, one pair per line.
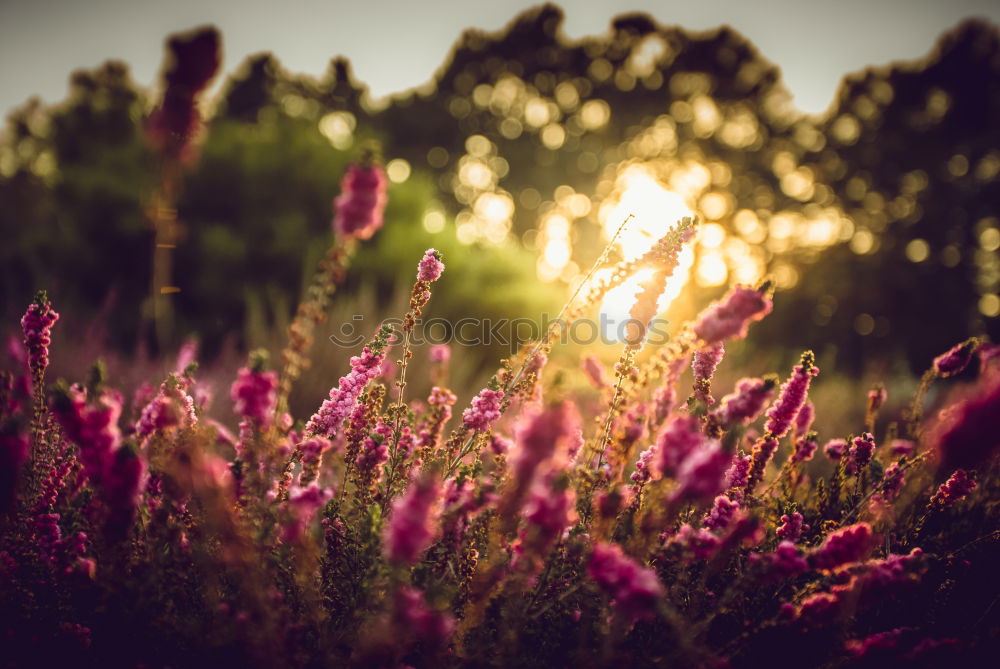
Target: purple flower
680, 437
484, 410
723, 510
699, 544
541, 435
343, 398
902, 447
893, 480
700, 476
968, 431
361, 203
843, 546
594, 370
412, 615
955, 359
791, 397
804, 419
440, 353
195, 59
860, 453
300, 510
635, 589
746, 402
805, 448
37, 325
791, 527
411, 525
738, 474
255, 394
430, 266
785, 562
703, 365
835, 449
730, 317
956, 488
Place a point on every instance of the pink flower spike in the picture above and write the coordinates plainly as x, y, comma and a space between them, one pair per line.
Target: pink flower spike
955, 359
843, 546
440, 354
361, 204
730, 317
956, 488
746, 402
414, 515
484, 410
792, 396
430, 267
634, 588
36, 325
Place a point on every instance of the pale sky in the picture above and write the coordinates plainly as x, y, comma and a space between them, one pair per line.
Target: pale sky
398, 44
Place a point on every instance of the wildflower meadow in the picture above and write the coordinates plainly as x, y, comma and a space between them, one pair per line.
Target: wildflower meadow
663, 510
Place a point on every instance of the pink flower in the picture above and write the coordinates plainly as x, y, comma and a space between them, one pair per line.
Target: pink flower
414, 515
745, 403
804, 419
361, 203
699, 544
680, 437
430, 266
541, 435
700, 476
848, 544
440, 354
635, 589
785, 562
955, 359
722, 513
255, 394
666, 395
956, 488
738, 474
412, 615
171, 407
835, 449
876, 398
805, 448
92, 424
344, 397
484, 410
549, 509
791, 527
730, 317
876, 643
500, 445
968, 431
301, 508
120, 490
703, 365
37, 325
374, 450
893, 480
594, 370
763, 450
643, 471
791, 397
903, 447
312, 452
860, 453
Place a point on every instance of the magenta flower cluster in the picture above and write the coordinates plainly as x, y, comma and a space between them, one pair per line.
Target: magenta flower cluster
361, 204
